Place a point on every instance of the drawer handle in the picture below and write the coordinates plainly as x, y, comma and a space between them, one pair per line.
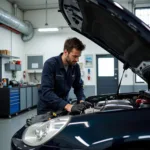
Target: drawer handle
14, 91
14, 100
14, 96
14, 104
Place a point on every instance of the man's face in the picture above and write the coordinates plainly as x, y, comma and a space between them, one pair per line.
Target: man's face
73, 57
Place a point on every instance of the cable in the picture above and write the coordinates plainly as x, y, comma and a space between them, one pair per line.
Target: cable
35, 76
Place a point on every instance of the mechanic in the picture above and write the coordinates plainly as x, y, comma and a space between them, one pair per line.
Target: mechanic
59, 74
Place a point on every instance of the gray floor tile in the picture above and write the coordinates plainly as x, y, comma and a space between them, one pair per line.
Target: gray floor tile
9, 126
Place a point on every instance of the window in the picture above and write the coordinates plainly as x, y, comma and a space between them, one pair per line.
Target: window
138, 79
143, 14
106, 67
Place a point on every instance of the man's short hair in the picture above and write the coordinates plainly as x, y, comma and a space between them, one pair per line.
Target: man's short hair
73, 43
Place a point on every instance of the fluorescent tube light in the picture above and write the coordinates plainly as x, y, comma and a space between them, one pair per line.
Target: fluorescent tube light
48, 29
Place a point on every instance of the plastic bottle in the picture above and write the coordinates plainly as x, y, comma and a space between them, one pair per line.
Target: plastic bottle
4, 82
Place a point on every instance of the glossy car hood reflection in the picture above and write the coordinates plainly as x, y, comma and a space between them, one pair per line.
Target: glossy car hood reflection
112, 27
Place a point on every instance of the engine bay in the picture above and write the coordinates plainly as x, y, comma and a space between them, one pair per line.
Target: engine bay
122, 101
115, 104
103, 103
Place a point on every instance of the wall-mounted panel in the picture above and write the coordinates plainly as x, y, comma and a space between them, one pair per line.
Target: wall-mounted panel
34, 62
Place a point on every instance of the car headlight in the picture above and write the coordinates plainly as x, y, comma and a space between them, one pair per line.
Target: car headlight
42, 132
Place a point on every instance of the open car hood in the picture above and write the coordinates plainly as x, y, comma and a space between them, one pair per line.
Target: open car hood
112, 27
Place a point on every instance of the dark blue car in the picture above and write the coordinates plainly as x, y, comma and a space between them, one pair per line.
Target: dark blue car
115, 121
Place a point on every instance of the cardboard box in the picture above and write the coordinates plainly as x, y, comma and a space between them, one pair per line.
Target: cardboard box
5, 52
8, 52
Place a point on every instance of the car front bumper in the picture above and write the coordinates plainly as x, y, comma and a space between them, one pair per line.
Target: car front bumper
17, 144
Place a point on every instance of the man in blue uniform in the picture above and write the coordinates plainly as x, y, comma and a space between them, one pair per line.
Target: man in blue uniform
60, 73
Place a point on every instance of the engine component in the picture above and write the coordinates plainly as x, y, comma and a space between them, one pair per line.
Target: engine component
121, 102
116, 106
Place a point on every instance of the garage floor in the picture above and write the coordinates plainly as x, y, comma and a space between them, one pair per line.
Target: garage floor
9, 126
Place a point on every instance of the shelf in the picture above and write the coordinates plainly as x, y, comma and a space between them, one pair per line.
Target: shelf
7, 56
12, 67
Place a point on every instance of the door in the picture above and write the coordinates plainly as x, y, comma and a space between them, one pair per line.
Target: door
107, 74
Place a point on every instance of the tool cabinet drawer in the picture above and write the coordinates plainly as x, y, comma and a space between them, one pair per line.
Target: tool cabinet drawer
14, 108
16, 93
14, 101
12, 98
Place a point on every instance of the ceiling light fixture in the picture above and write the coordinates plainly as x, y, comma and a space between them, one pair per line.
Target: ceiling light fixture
48, 29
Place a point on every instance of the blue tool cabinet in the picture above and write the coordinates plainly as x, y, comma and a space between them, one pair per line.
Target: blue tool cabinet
9, 101
15, 100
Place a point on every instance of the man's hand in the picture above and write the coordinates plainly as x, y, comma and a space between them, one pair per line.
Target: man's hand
86, 103
68, 107
78, 108
81, 101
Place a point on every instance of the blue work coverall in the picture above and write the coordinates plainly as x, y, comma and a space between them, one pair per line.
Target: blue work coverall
56, 84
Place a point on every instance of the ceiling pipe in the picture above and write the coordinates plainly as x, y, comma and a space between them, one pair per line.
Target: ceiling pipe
25, 27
